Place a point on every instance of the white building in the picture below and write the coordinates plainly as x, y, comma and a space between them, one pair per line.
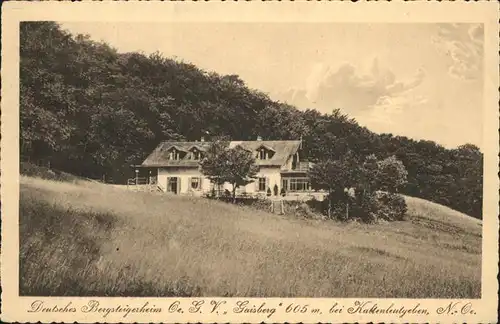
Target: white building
177, 170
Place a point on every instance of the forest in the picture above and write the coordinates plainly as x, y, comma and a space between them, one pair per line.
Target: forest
91, 111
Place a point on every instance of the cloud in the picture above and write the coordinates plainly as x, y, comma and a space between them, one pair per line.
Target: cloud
354, 90
463, 43
389, 110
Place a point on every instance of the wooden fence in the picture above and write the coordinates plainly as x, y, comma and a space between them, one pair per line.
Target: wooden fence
143, 184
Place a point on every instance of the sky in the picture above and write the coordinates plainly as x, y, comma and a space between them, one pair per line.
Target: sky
420, 80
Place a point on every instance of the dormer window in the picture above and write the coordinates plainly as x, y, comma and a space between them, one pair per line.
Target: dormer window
175, 154
195, 153
265, 153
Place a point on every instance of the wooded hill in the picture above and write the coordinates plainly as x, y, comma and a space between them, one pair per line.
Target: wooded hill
90, 110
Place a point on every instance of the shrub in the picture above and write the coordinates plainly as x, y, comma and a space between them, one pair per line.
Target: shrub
283, 192
370, 207
275, 189
269, 192
365, 207
316, 205
393, 206
303, 210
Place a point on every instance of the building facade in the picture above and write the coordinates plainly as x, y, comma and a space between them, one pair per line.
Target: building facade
176, 167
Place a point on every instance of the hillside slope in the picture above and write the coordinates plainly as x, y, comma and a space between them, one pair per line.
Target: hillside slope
93, 239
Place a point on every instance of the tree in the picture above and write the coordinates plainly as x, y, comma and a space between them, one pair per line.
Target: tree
337, 177
212, 165
391, 174
369, 174
233, 165
240, 168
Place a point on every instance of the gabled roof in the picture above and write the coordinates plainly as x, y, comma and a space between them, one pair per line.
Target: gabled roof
266, 147
282, 152
242, 147
198, 147
159, 157
177, 147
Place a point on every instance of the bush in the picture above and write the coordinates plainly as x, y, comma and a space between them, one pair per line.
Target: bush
303, 210
283, 192
269, 192
316, 205
393, 206
275, 189
371, 207
365, 207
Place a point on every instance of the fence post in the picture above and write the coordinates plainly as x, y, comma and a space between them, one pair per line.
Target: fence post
136, 178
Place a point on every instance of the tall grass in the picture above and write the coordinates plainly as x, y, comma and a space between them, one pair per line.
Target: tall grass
96, 240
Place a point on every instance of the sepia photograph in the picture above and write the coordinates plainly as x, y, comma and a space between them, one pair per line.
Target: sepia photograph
259, 160
251, 160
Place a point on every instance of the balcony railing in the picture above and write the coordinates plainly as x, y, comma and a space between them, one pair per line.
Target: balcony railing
300, 167
303, 166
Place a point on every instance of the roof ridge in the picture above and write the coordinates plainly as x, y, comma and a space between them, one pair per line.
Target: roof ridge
198, 142
283, 150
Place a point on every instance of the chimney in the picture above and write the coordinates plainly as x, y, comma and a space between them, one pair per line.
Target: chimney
259, 138
202, 139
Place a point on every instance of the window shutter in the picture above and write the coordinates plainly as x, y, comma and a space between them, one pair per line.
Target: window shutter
189, 183
257, 184
267, 183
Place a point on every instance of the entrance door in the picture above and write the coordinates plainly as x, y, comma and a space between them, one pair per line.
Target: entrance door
173, 185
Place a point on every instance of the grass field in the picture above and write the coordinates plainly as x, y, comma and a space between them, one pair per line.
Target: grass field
83, 238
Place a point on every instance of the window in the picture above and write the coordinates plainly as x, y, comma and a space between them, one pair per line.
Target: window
174, 155
262, 184
263, 154
195, 183
299, 184
195, 155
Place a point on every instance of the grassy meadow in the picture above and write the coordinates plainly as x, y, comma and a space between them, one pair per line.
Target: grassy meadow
91, 239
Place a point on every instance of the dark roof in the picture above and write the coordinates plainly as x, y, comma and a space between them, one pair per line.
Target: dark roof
282, 151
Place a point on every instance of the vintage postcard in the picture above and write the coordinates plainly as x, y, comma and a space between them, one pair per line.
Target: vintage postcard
249, 162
